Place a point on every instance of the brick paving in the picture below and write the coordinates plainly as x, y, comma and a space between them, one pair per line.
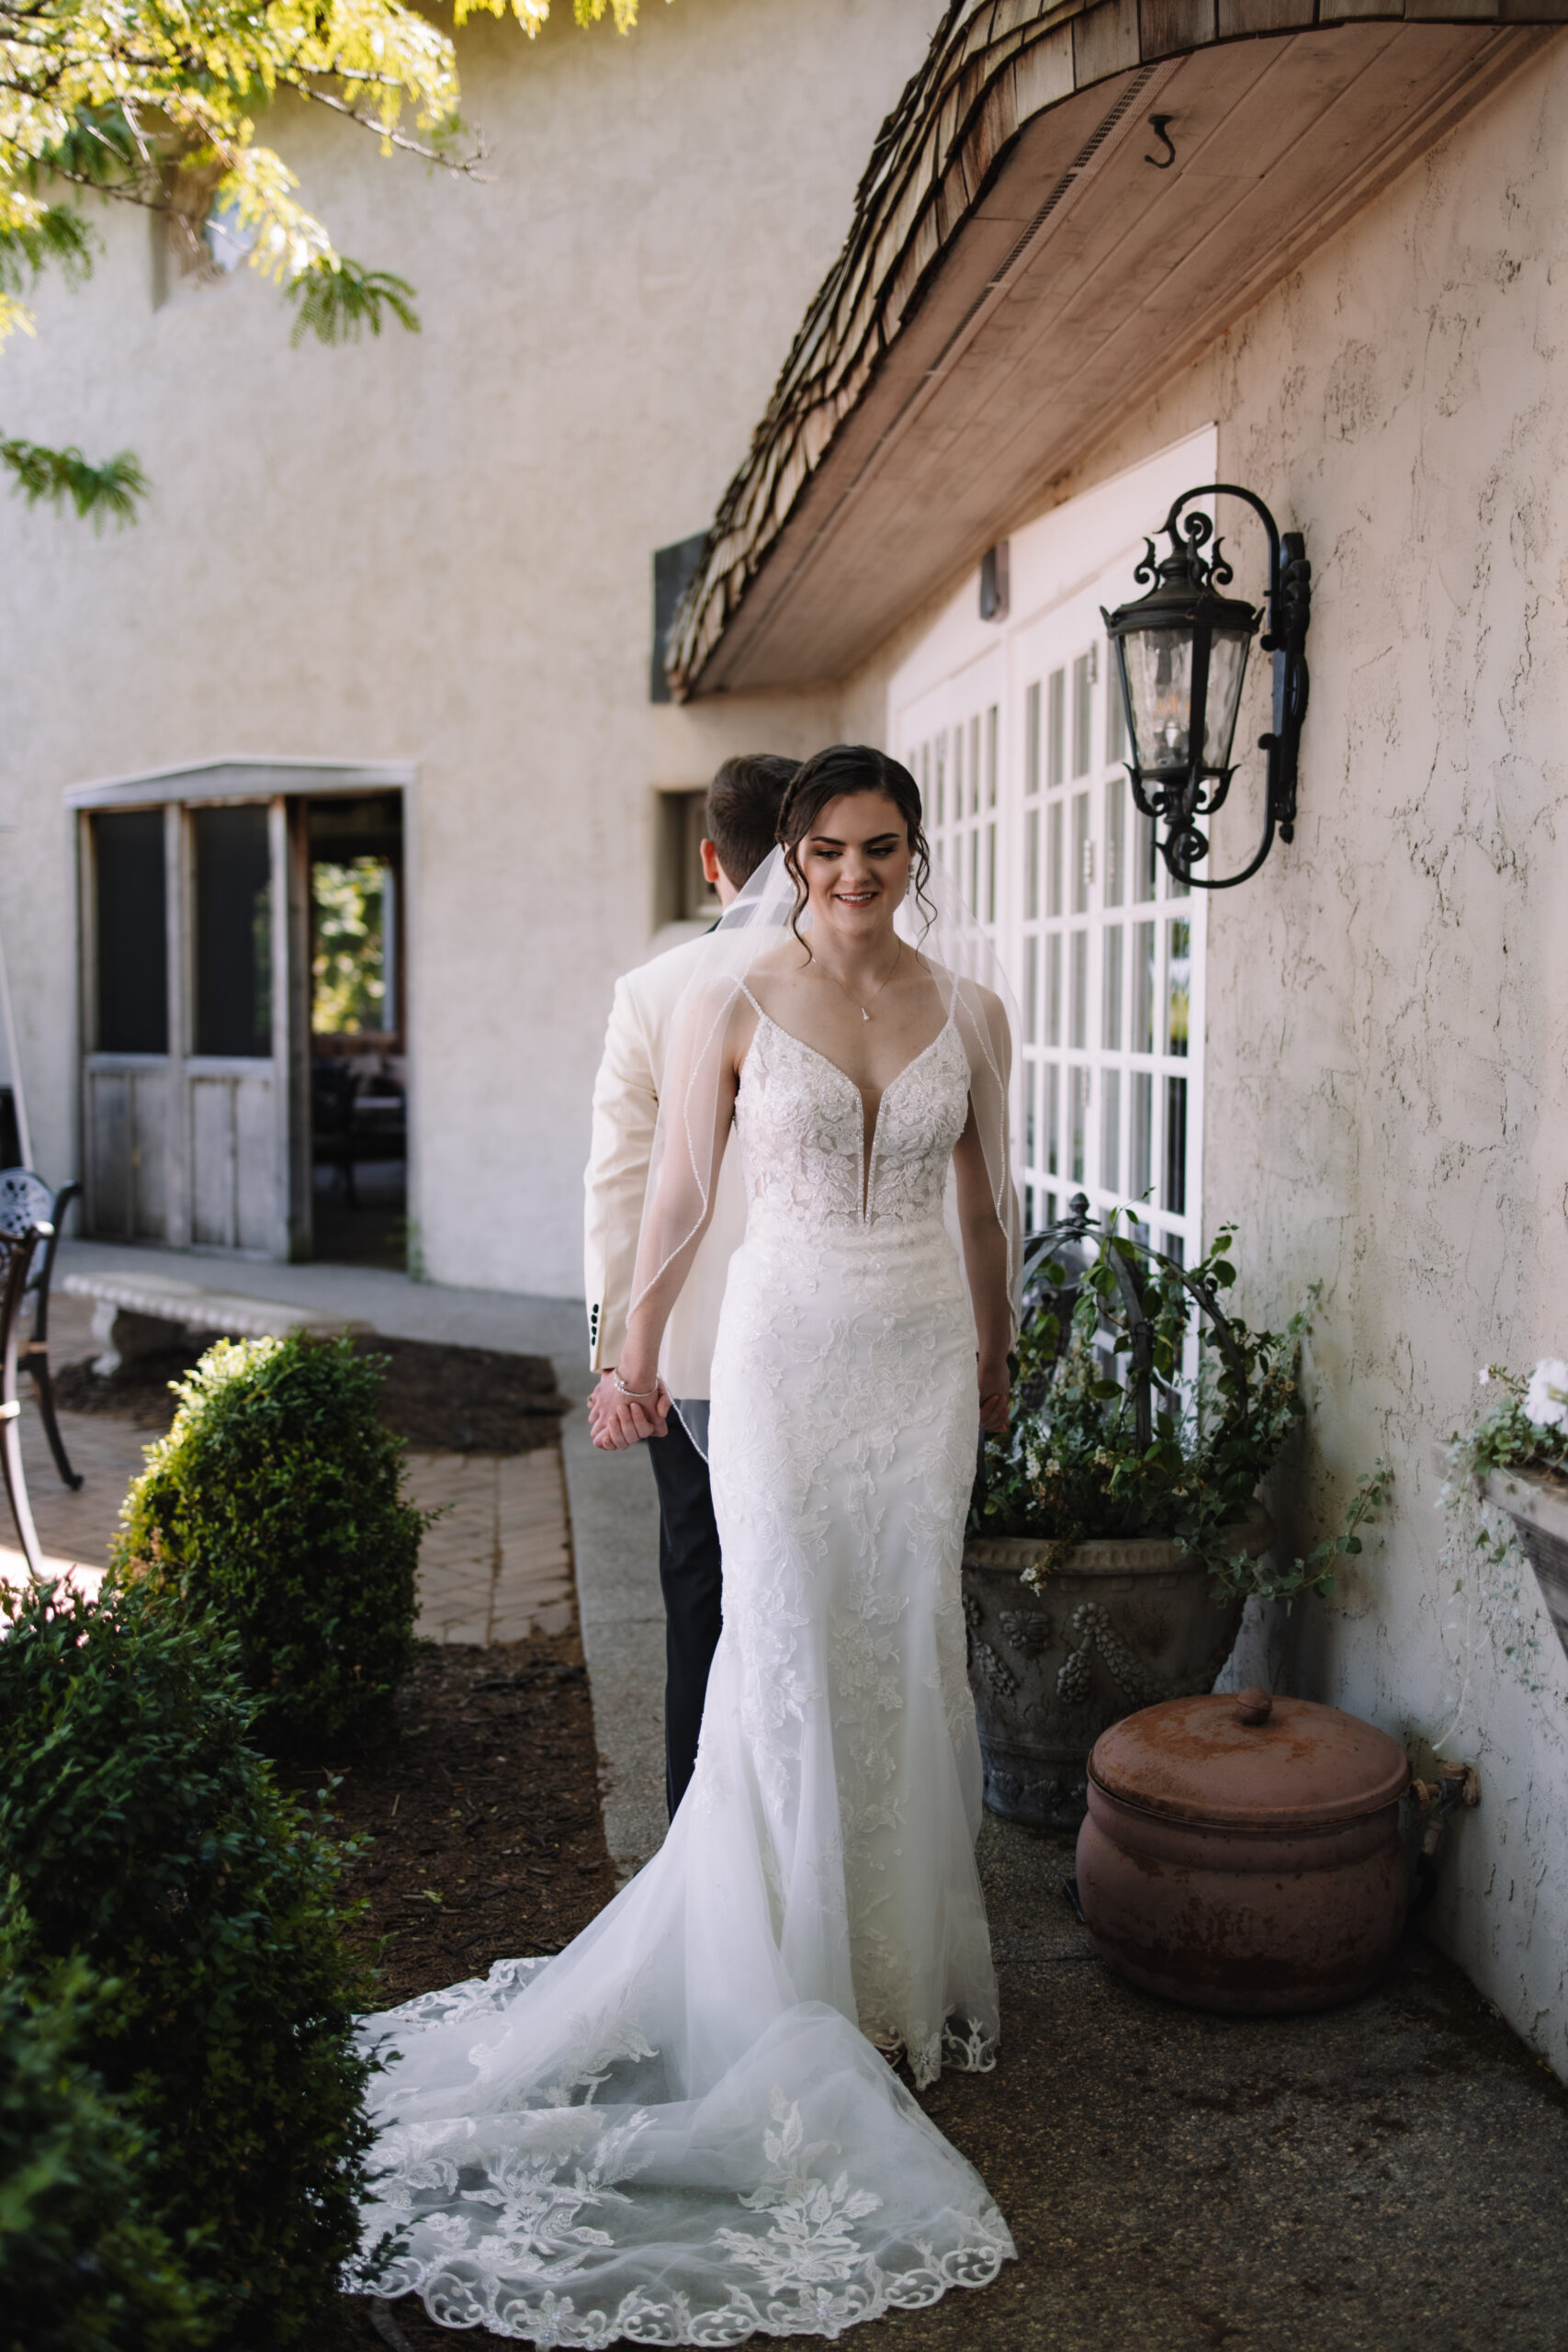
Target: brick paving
496, 1566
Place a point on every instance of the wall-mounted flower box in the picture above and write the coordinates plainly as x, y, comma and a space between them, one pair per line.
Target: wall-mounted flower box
1537, 1502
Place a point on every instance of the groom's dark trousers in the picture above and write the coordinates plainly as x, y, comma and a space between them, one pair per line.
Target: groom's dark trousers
688, 1572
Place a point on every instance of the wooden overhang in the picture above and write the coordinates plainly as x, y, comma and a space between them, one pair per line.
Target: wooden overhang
1026, 264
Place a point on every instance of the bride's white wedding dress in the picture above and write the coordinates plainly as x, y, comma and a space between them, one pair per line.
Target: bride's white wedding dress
678, 2131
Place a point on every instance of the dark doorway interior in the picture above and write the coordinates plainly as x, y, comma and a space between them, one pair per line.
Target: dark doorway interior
358, 1057
132, 932
233, 931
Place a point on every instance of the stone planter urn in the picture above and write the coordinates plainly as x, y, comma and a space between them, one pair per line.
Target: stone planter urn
1118, 1626
1537, 1502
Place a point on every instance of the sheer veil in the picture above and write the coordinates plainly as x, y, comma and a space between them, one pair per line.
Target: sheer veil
694, 1126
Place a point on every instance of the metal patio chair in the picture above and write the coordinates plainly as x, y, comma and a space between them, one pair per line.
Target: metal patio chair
27, 1205
18, 1247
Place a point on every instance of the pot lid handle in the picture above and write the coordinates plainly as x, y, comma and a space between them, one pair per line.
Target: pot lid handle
1254, 1706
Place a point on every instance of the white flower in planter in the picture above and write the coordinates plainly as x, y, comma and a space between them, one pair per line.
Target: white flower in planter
1546, 1399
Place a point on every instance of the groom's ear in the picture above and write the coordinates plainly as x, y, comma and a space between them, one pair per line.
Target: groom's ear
711, 868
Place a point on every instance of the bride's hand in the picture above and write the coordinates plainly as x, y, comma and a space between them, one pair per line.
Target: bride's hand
996, 1397
616, 1420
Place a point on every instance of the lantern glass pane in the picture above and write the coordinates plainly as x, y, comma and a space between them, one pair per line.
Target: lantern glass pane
1227, 666
1159, 682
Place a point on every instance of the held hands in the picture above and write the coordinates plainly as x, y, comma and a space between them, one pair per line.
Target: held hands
995, 1396
615, 1420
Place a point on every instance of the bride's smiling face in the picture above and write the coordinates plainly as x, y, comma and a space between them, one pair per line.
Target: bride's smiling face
855, 862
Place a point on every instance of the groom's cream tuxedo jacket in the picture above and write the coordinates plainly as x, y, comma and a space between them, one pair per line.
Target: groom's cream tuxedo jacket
625, 1108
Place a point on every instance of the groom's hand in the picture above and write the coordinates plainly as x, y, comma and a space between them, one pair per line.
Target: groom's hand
615, 1420
995, 1398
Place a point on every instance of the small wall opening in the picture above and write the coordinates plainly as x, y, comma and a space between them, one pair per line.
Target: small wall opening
682, 893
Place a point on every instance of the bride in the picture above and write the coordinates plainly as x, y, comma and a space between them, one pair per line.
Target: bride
684, 2128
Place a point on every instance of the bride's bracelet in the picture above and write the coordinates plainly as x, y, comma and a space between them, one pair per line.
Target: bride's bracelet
632, 1395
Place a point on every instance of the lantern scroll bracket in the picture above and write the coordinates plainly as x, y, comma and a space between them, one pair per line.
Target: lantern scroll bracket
1182, 654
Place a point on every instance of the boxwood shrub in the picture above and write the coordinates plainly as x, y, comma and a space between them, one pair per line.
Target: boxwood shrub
276, 1502
141, 1832
84, 2268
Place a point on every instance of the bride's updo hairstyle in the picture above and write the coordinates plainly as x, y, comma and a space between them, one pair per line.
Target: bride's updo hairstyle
840, 770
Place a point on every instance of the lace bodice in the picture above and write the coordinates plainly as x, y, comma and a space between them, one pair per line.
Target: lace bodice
802, 1130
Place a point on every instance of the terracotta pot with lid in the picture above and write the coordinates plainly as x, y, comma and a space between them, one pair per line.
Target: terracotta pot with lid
1241, 1853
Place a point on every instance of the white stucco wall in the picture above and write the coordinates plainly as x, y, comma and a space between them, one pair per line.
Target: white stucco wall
1387, 1038
1389, 1005
438, 548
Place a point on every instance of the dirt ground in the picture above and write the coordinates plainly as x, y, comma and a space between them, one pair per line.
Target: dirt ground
442, 1399
1389, 2176
479, 1800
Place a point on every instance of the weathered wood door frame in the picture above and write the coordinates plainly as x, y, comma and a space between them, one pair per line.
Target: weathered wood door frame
205, 1151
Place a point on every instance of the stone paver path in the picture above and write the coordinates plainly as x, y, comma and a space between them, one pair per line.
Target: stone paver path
495, 1565
498, 1562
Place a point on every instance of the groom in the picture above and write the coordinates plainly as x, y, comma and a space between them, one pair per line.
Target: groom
743, 805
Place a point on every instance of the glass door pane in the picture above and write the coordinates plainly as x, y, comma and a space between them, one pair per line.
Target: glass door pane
132, 932
233, 931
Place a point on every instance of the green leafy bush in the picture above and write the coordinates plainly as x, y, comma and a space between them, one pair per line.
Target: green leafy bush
276, 1502
1075, 1468
82, 2268
140, 1831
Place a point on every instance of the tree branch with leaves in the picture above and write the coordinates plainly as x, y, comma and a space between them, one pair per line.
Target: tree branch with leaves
155, 103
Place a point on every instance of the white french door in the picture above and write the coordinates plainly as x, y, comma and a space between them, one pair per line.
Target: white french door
1107, 950
1014, 735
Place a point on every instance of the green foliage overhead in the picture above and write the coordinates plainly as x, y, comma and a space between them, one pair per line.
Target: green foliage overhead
156, 105
1072, 1469
275, 1502
97, 492
82, 2269
337, 302
141, 1832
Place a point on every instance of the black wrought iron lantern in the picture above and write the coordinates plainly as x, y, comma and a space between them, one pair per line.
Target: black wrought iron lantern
1182, 654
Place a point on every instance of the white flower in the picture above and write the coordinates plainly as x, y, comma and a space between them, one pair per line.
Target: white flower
1483, 1375
1546, 1399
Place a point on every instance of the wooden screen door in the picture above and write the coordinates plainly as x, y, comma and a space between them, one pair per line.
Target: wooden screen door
194, 1058
194, 925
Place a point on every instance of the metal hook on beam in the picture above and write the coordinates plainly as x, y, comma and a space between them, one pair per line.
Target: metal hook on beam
1160, 124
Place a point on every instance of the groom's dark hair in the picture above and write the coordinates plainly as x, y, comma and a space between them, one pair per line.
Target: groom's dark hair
744, 800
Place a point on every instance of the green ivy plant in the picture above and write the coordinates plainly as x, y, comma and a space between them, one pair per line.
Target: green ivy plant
1074, 1467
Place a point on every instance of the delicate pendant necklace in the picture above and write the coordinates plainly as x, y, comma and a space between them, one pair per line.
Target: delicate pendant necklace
876, 992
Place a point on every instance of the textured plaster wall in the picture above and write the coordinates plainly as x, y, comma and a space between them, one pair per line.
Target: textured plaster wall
1388, 1001
438, 547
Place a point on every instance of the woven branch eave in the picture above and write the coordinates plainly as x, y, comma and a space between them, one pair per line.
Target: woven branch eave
994, 68
992, 65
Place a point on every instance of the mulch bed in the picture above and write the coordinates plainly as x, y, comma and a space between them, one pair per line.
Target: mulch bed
479, 1798
442, 1399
